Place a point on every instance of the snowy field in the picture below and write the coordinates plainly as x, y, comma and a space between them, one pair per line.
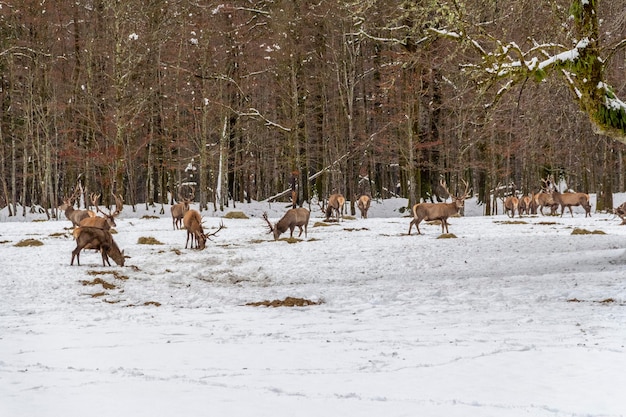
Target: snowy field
508, 319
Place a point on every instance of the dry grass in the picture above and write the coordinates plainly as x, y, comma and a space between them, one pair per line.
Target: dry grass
148, 241
236, 215
447, 236
29, 242
287, 302
579, 231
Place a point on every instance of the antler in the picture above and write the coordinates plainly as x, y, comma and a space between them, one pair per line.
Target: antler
268, 222
466, 193
208, 235
94, 201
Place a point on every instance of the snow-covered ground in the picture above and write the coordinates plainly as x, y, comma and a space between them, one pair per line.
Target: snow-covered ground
508, 319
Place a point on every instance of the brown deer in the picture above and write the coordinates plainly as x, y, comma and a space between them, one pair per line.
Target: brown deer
363, 202
511, 205
293, 217
438, 211
108, 221
335, 204
195, 231
543, 199
572, 199
98, 239
179, 210
72, 214
525, 205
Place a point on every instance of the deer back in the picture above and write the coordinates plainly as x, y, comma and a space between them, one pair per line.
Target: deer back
192, 220
363, 203
293, 217
99, 222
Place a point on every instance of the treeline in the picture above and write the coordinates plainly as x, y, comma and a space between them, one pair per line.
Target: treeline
142, 98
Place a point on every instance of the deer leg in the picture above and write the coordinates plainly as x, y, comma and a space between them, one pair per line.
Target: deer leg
187, 241
76, 253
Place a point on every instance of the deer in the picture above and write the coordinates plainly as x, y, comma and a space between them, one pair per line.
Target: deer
195, 231
572, 199
108, 221
293, 217
99, 239
621, 213
525, 205
72, 214
544, 199
511, 204
335, 204
363, 202
180, 209
438, 211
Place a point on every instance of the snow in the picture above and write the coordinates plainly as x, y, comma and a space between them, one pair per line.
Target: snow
508, 319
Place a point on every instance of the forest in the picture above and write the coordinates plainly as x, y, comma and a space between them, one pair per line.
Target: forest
154, 100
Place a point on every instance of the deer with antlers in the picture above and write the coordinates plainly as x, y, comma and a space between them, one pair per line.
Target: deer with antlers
438, 211
195, 231
298, 217
180, 209
72, 214
544, 197
98, 239
108, 221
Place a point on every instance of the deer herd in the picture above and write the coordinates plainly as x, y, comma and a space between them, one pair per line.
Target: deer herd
92, 231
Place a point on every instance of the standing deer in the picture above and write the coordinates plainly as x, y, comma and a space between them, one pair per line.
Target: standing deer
179, 210
543, 199
572, 199
72, 214
108, 221
293, 217
193, 223
511, 204
363, 203
525, 205
335, 204
438, 211
99, 239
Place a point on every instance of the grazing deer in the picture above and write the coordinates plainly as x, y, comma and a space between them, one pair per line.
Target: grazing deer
179, 210
99, 239
335, 204
108, 221
511, 204
438, 211
292, 218
572, 199
363, 203
193, 223
72, 214
621, 213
